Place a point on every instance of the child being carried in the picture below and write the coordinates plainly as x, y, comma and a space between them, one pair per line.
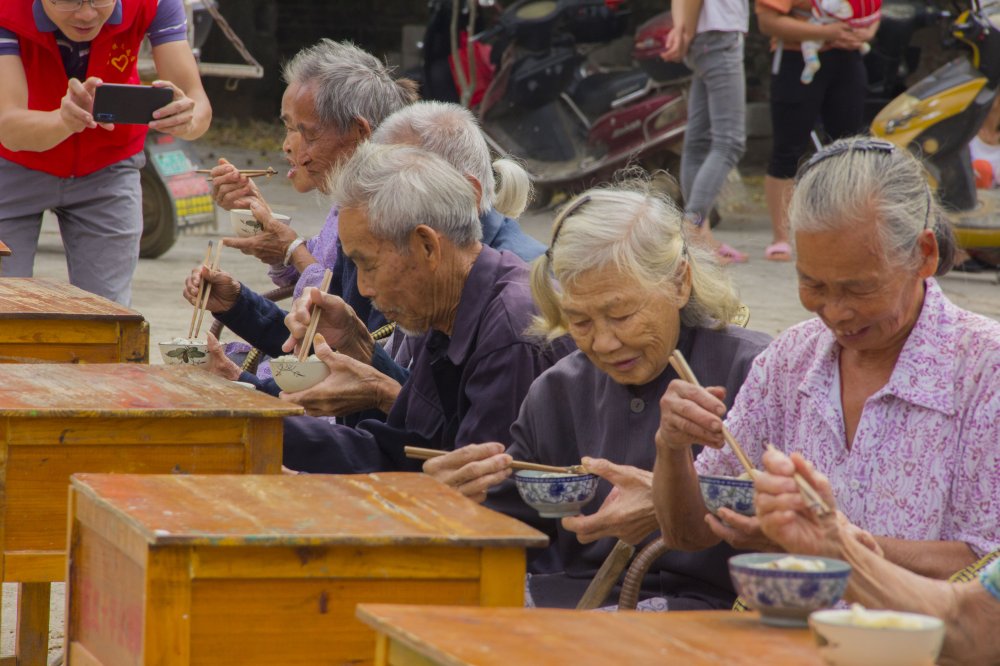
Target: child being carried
856, 13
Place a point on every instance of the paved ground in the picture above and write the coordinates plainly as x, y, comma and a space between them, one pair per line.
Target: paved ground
767, 288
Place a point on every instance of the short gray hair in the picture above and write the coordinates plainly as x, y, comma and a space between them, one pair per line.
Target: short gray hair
452, 132
350, 84
401, 187
640, 232
844, 183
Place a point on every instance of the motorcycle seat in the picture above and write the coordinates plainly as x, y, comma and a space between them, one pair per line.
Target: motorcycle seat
595, 93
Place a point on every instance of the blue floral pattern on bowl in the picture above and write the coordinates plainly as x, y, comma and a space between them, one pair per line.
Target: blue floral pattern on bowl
785, 598
555, 496
729, 492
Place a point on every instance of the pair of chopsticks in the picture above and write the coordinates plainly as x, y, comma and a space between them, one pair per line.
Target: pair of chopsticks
418, 453
813, 499
314, 317
204, 291
249, 173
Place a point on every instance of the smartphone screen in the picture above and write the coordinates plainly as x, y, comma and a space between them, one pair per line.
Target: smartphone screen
129, 104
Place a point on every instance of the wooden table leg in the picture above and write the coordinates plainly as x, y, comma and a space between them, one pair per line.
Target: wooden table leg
32, 638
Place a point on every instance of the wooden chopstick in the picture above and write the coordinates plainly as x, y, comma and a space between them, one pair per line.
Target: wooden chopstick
683, 370
208, 291
314, 316
250, 173
418, 453
201, 290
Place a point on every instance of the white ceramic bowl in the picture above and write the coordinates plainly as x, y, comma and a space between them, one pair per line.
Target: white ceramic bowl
842, 642
184, 352
293, 375
246, 225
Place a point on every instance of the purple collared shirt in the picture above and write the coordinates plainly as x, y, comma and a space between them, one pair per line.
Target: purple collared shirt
925, 460
323, 248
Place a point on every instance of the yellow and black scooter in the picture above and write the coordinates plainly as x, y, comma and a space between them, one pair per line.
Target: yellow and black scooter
937, 118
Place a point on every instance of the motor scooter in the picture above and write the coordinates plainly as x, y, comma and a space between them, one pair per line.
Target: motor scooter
938, 117
542, 100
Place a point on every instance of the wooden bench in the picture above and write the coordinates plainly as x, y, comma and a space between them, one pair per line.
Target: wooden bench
268, 570
47, 321
58, 419
413, 636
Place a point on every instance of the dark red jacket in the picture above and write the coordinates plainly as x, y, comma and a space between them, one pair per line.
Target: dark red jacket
113, 55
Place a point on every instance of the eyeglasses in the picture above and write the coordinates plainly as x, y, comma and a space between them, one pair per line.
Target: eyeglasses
576, 205
74, 5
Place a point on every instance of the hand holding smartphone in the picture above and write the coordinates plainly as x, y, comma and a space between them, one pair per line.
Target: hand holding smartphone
129, 104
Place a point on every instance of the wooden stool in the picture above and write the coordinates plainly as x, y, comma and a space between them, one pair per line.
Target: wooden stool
57, 419
414, 636
53, 322
267, 570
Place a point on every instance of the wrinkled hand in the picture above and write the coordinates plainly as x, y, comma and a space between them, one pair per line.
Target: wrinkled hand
691, 415
627, 513
339, 325
472, 469
77, 106
351, 387
678, 42
177, 117
231, 189
740, 532
225, 288
271, 243
219, 364
783, 514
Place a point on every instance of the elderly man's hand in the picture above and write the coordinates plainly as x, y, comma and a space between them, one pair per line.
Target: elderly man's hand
271, 243
740, 532
472, 469
225, 288
691, 415
627, 512
339, 325
352, 386
218, 363
230, 189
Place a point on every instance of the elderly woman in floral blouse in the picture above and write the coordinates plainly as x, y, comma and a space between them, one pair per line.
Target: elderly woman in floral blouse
892, 390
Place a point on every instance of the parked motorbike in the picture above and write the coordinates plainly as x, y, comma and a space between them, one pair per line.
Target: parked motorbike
938, 117
542, 99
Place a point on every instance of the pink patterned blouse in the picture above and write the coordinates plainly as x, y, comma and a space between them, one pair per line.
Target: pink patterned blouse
925, 462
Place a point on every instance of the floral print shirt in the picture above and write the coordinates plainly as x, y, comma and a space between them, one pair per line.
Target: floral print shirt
925, 461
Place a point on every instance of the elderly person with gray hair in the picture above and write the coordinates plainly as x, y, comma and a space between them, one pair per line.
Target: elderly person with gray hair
410, 223
622, 279
892, 390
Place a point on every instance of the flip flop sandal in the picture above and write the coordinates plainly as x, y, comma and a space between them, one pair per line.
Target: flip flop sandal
780, 251
728, 254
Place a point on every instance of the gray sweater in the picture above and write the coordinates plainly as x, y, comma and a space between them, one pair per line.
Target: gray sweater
575, 410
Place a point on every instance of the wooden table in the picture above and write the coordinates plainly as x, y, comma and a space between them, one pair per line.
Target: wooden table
267, 570
49, 321
58, 419
4, 250
413, 636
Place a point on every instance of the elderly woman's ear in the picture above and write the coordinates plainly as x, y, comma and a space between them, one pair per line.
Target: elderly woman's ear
683, 285
928, 247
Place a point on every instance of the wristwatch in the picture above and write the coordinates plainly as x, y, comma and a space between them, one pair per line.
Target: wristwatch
299, 240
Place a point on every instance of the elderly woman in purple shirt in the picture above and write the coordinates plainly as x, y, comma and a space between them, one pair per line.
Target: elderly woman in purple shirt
892, 391
629, 289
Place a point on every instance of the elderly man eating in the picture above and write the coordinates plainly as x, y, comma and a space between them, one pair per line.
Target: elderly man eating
410, 223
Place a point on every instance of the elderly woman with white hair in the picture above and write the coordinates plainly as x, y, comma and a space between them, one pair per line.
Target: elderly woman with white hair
892, 390
629, 289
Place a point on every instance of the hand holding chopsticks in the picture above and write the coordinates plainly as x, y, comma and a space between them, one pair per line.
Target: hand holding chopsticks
680, 365
204, 292
314, 316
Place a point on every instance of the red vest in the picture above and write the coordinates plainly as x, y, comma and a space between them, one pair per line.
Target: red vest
113, 56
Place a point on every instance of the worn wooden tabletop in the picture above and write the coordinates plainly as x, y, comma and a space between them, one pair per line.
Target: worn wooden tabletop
46, 390
459, 636
42, 298
4, 250
303, 510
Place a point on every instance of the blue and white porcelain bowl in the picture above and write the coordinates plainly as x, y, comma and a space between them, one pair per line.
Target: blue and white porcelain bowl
786, 597
727, 491
555, 495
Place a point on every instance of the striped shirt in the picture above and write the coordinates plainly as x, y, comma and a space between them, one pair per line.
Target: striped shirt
169, 25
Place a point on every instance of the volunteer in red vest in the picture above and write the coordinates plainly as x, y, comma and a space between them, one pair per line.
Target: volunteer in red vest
53, 155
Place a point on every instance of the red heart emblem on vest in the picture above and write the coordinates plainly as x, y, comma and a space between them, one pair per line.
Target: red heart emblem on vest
120, 63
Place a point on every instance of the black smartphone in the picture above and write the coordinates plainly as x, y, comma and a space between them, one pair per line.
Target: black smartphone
129, 104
